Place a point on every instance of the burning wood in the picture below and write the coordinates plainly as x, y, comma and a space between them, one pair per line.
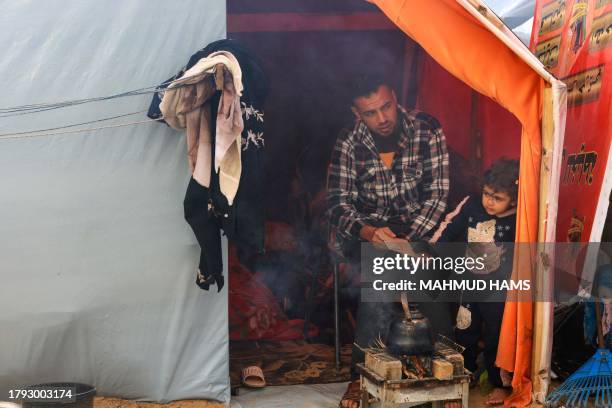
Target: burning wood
449, 362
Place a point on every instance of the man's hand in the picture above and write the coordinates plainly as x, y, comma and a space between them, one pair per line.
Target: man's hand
376, 235
400, 245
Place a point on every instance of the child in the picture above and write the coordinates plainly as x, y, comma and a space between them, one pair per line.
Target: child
491, 219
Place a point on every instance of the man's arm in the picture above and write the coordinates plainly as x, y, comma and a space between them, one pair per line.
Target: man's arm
434, 184
342, 190
342, 194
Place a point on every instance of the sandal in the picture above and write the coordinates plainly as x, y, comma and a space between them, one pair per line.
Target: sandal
352, 394
253, 377
497, 396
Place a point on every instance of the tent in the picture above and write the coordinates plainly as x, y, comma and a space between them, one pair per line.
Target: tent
466, 40
570, 39
517, 80
97, 261
116, 289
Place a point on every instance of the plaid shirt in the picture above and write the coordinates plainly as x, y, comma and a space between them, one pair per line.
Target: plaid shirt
362, 191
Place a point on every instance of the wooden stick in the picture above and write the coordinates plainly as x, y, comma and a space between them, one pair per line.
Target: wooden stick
421, 372
600, 337
543, 310
409, 373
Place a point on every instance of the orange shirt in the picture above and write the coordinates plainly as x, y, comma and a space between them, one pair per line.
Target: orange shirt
387, 159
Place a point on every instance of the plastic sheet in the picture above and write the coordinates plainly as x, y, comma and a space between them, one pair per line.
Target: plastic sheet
98, 282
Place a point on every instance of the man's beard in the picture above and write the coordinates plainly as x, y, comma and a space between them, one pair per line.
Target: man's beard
393, 135
387, 143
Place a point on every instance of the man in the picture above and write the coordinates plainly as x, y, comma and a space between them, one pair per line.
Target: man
388, 181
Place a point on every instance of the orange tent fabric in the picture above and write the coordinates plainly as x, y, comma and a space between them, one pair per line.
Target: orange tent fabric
473, 54
498, 128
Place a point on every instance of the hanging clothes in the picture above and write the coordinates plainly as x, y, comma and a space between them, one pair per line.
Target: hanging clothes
602, 288
186, 106
590, 322
210, 203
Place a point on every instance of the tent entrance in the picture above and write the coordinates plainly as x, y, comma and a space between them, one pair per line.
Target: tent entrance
311, 54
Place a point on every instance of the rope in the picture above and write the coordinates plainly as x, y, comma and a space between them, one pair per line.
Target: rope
24, 135
35, 108
41, 107
73, 125
29, 109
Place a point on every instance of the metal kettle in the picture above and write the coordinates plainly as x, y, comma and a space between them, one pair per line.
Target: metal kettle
411, 335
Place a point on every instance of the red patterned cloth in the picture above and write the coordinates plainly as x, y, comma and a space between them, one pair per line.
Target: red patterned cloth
254, 312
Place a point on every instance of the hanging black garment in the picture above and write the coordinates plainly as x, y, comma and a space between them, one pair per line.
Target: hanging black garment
207, 209
205, 224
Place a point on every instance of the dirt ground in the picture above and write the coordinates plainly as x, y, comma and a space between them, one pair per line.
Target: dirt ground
476, 400
107, 402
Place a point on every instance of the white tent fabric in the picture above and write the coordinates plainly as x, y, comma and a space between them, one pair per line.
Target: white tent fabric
516, 14
523, 31
97, 270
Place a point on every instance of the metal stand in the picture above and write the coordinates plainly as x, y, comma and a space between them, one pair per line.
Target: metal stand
410, 393
337, 313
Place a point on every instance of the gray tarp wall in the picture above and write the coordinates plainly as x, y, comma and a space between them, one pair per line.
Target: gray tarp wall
96, 262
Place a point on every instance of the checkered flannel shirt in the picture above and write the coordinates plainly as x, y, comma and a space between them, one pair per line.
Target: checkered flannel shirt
362, 191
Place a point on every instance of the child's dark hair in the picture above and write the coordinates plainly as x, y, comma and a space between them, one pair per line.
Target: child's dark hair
502, 176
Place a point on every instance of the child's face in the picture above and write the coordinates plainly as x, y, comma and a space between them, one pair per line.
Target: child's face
496, 202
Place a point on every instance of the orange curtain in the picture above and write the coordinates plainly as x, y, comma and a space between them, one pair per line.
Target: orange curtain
470, 52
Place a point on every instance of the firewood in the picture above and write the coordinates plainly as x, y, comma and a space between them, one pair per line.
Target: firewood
421, 371
383, 364
453, 356
409, 374
442, 369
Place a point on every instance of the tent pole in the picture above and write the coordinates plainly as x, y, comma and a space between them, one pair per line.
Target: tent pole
543, 310
337, 346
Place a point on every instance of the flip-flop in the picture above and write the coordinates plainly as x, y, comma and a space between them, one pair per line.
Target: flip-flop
253, 377
497, 402
353, 393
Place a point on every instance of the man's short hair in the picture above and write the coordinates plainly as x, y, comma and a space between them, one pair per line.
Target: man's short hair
365, 85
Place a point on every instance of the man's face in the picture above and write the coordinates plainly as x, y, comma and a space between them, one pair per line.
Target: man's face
378, 110
496, 202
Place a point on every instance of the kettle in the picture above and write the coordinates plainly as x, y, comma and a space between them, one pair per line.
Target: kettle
411, 335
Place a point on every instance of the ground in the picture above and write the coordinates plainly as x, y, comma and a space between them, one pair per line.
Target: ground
294, 396
107, 402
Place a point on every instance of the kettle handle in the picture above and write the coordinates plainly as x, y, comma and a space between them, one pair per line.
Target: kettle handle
404, 299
